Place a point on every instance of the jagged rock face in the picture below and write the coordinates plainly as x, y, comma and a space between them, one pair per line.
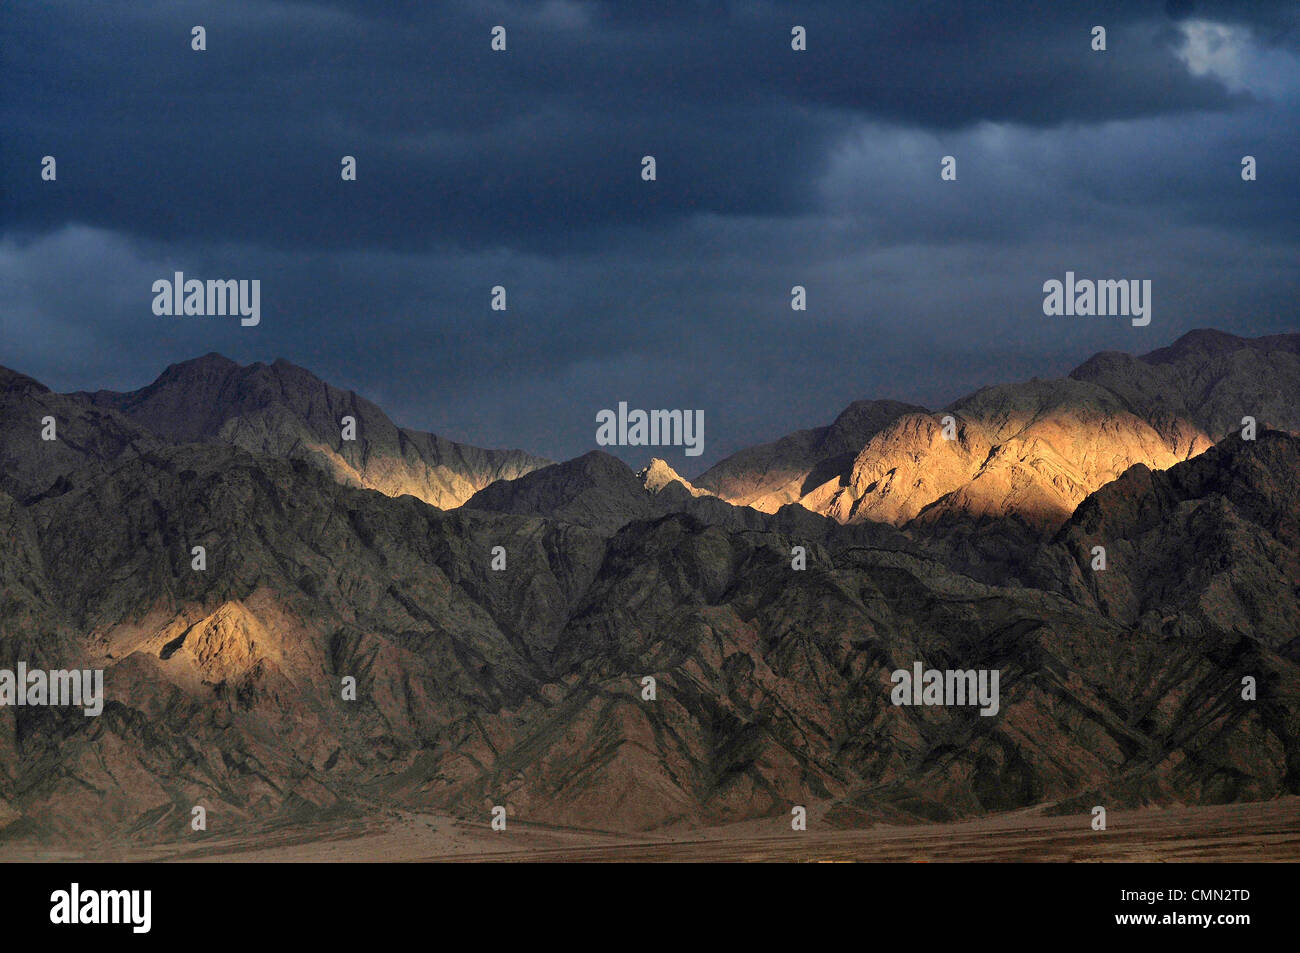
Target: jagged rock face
1029, 453
1212, 544
85, 435
658, 475
769, 476
1209, 378
286, 411
1034, 450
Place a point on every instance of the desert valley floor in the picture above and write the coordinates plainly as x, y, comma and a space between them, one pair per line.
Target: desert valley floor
1267, 831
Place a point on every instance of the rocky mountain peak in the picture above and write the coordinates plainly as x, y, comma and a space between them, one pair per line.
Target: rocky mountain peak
657, 474
285, 410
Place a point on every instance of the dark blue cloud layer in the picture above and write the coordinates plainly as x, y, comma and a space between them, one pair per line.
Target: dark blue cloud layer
522, 169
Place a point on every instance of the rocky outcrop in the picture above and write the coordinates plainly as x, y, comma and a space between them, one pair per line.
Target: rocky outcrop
1030, 450
771, 475
657, 475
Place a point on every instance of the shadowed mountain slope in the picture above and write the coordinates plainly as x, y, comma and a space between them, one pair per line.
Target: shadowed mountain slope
85, 435
603, 493
1213, 543
286, 411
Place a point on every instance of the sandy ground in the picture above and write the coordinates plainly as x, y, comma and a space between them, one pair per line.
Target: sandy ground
1267, 831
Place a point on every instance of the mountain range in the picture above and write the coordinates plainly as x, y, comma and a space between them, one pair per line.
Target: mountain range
1031, 450
500, 613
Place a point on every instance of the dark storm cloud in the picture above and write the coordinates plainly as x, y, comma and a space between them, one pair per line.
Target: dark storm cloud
539, 145
522, 169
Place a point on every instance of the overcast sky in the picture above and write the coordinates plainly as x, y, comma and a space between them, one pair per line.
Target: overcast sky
523, 169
